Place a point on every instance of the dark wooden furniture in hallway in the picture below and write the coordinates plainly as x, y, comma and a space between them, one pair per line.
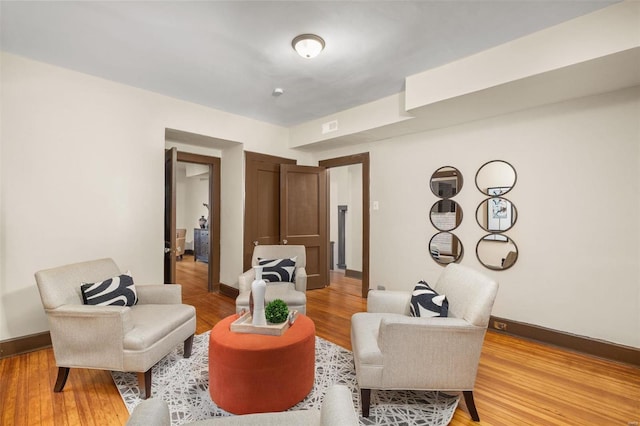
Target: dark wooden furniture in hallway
201, 244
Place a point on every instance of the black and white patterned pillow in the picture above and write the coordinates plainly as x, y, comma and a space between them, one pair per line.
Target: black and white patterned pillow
426, 302
118, 291
278, 270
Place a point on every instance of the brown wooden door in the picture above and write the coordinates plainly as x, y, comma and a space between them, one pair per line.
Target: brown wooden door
262, 202
170, 161
303, 217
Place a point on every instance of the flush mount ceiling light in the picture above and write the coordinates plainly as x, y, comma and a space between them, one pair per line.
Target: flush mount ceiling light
308, 45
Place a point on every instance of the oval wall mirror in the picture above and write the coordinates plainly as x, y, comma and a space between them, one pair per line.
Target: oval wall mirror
445, 248
445, 215
497, 252
446, 182
496, 177
496, 214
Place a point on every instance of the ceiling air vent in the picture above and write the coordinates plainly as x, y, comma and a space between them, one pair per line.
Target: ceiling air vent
330, 126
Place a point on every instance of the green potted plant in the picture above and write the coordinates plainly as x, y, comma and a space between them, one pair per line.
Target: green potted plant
276, 311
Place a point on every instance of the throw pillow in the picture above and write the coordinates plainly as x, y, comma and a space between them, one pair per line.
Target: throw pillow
118, 291
426, 302
278, 270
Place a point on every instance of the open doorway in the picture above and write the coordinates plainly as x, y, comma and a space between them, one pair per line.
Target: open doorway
349, 220
192, 223
203, 200
345, 225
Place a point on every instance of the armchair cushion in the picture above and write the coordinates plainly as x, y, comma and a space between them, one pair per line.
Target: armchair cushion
283, 291
119, 291
292, 291
278, 270
159, 294
148, 329
426, 302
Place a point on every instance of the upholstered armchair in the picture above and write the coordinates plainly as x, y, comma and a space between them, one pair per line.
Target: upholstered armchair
393, 350
336, 410
292, 293
121, 338
181, 240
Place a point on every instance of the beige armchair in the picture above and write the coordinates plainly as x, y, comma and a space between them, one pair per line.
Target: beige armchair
392, 350
119, 338
336, 410
181, 240
293, 294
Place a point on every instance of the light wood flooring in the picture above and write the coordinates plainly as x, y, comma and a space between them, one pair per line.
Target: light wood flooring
519, 382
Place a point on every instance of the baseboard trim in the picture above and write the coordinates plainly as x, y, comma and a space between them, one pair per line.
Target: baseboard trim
24, 344
600, 348
227, 290
353, 274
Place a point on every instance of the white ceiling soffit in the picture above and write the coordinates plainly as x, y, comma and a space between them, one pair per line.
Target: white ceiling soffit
194, 139
230, 55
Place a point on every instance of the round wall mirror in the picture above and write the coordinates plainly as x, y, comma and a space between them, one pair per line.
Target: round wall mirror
496, 214
497, 252
445, 248
446, 215
446, 182
496, 177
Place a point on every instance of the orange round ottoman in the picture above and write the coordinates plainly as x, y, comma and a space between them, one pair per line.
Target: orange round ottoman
256, 373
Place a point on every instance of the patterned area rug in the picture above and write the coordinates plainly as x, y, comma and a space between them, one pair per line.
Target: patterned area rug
183, 384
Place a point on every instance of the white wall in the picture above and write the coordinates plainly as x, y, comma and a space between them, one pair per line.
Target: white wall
232, 215
337, 179
191, 191
82, 177
182, 190
578, 201
354, 219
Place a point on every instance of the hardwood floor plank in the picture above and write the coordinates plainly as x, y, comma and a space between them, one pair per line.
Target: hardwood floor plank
9, 376
519, 382
46, 409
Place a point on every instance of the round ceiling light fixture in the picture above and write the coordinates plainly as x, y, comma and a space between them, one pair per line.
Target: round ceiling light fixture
308, 45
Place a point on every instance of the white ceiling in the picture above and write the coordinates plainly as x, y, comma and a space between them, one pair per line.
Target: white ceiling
230, 55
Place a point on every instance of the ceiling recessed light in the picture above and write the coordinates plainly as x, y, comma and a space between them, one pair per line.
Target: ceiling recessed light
308, 45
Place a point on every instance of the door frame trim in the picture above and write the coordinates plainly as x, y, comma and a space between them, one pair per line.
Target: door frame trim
169, 260
362, 158
214, 213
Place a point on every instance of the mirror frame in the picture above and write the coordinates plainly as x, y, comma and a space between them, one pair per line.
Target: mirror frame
514, 215
492, 267
515, 177
445, 173
458, 212
457, 259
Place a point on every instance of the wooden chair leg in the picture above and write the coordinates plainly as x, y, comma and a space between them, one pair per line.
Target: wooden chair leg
63, 375
188, 345
471, 405
144, 383
365, 401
